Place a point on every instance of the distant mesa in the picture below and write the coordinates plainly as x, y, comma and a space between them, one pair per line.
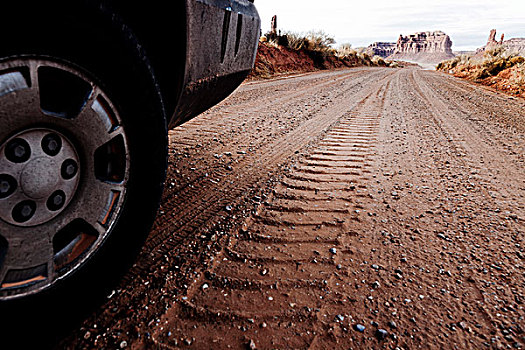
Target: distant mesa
424, 47
421, 47
381, 49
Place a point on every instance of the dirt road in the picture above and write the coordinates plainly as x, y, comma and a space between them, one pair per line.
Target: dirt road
364, 208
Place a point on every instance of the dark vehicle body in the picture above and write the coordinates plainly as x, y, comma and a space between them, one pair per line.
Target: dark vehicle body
200, 51
88, 90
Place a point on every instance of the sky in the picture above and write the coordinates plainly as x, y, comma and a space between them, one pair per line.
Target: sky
361, 23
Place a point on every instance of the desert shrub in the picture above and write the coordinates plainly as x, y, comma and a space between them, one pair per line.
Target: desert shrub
493, 67
517, 60
297, 41
316, 41
320, 41
378, 61
496, 52
393, 64
365, 59
282, 40
451, 64
481, 74
345, 51
517, 77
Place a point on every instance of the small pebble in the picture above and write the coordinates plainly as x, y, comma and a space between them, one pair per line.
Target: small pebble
359, 328
333, 250
123, 344
381, 334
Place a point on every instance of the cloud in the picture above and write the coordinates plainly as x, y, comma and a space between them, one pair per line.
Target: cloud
468, 23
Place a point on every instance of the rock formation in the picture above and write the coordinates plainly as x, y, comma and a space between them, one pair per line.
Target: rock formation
423, 47
515, 46
273, 29
492, 38
512, 46
382, 49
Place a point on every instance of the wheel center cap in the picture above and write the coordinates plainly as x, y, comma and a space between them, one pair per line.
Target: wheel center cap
40, 178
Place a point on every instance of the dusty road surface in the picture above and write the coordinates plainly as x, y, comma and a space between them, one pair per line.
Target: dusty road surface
364, 208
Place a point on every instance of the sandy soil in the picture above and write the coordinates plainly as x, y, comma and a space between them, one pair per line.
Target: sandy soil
366, 208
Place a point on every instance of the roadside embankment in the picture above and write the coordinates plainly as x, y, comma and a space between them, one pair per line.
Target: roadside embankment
273, 60
495, 68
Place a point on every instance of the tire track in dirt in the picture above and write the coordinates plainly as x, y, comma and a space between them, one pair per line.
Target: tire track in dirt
475, 144
222, 187
444, 218
481, 111
280, 95
384, 170
285, 252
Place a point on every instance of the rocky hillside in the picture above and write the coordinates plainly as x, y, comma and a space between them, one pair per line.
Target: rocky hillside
382, 49
423, 47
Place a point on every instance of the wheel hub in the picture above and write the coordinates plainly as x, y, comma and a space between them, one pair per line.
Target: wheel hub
40, 174
40, 178
64, 168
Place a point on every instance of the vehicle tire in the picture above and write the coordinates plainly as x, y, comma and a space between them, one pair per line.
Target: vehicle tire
83, 148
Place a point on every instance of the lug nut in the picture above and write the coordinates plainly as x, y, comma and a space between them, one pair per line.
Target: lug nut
69, 169
7, 186
18, 151
56, 200
24, 211
51, 144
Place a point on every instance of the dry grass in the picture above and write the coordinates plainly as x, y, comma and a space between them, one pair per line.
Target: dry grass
345, 50
496, 68
317, 41
320, 46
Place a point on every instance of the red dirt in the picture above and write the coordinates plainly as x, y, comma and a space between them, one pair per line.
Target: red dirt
300, 208
275, 60
500, 82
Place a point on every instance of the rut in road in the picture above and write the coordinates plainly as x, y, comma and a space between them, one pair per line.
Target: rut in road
270, 264
216, 167
196, 202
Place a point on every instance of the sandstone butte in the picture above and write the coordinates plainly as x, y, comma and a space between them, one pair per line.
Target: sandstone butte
421, 47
